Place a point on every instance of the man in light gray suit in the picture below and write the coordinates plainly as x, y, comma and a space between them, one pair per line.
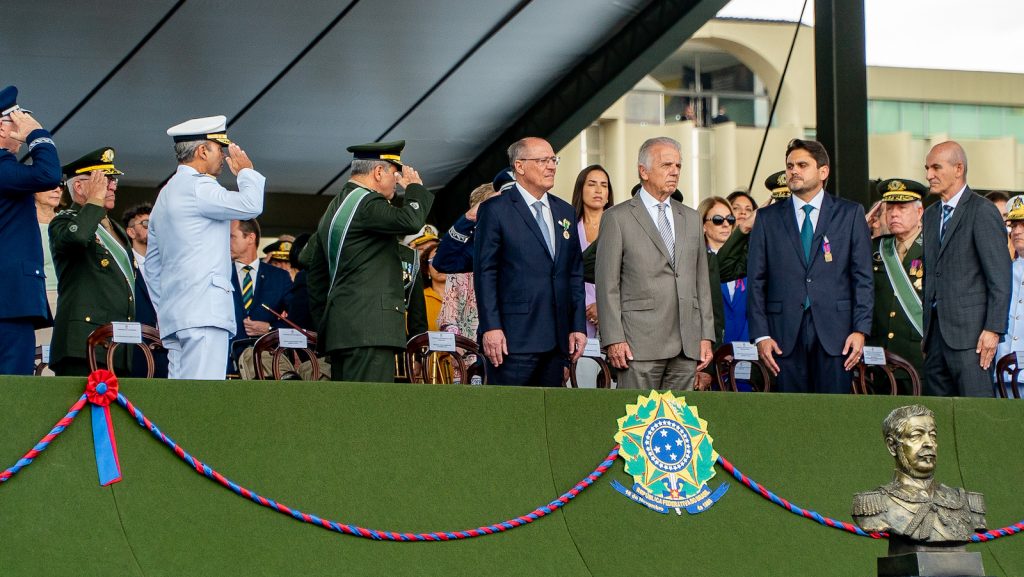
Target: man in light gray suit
967, 277
653, 293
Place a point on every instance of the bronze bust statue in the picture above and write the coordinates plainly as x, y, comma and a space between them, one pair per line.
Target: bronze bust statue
918, 512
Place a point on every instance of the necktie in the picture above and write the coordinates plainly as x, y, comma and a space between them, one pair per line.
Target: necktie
666, 234
947, 213
901, 250
538, 210
807, 232
247, 288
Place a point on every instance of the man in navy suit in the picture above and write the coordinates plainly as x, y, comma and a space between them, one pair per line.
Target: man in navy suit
528, 275
256, 283
809, 279
23, 308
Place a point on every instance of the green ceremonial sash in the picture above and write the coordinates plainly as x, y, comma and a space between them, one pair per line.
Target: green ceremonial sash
339, 228
900, 282
411, 266
119, 253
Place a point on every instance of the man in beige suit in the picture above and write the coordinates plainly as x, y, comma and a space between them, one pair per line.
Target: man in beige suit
653, 293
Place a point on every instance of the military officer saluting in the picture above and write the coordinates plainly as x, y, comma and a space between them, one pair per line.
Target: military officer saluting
92, 256
899, 270
354, 267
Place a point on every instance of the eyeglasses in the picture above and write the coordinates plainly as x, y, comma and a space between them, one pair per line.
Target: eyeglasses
718, 219
142, 223
545, 160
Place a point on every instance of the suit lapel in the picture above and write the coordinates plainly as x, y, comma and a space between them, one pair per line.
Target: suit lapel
644, 218
958, 213
528, 217
825, 216
789, 222
679, 223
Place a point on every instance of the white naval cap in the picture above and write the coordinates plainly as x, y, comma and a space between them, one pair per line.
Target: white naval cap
208, 128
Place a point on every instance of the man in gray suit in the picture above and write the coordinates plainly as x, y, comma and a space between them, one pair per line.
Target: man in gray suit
966, 280
653, 294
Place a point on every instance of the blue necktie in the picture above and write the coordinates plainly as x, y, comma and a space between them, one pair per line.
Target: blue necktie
947, 213
807, 232
538, 209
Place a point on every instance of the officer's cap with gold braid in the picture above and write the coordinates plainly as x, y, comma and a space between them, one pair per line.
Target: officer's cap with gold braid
278, 250
389, 151
1015, 208
101, 159
778, 185
901, 190
207, 128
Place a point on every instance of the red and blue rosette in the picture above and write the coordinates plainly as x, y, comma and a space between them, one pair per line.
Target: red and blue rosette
101, 390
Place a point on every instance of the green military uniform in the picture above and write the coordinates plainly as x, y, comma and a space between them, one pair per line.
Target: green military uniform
892, 326
361, 311
95, 281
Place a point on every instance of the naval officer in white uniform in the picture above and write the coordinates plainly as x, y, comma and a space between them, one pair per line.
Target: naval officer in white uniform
188, 262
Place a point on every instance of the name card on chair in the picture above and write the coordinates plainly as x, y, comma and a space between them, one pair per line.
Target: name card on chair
291, 339
441, 341
742, 351
874, 356
127, 333
46, 354
593, 348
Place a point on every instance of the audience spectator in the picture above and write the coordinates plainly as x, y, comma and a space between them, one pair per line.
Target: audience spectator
92, 255
1015, 326
1000, 198
458, 308
297, 303
276, 254
719, 222
24, 309
967, 280
455, 252
743, 206
433, 287
136, 223
529, 275
591, 196
46, 208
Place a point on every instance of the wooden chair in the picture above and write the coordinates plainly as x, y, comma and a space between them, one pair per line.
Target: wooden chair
1008, 371
725, 367
863, 378
270, 344
103, 337
420, 358
40, 365
604, 378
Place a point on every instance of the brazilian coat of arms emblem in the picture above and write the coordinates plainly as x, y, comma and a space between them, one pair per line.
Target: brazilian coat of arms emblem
668, 451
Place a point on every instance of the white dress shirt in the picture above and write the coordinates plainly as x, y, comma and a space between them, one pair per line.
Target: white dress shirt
241, 273
651, 204
798, 209
548, 219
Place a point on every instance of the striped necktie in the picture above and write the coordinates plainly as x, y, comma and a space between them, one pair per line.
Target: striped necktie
247, 288
538, 208
666, 234
947, 213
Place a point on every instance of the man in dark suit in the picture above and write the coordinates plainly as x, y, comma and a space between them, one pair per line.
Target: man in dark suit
256, 283
528, 275
809, 279
135, 221
23, 308
92, 255
967, 277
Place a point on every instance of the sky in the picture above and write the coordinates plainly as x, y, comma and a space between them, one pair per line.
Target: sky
923, 34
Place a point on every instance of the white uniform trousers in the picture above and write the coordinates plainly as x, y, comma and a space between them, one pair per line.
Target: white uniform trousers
199, 353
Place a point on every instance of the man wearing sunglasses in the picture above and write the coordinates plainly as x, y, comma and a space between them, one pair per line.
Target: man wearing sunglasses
653, 288
809, 280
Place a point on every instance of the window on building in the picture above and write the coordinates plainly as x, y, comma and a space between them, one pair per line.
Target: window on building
926, 119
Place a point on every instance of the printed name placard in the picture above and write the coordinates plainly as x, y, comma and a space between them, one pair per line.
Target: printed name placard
127, 333
46, 354
441, 341
874, 356
593, 348
742, 351
291, 339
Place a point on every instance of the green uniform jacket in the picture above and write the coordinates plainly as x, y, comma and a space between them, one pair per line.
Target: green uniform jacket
92, 290
366, 305
890, 326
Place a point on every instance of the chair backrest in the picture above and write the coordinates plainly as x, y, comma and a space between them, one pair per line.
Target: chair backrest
604, 378
423, 363
862, 378
270, 344
104, 337
1008, 371
725, 367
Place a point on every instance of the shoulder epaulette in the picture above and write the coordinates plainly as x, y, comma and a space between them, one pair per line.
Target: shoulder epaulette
869, 504
976, 502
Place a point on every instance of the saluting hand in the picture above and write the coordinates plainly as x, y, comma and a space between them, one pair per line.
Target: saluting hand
24, 124
237, 159
408, 176
96, 188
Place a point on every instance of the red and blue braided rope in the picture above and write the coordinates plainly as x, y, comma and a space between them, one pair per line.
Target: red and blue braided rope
376, 534
45, 441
